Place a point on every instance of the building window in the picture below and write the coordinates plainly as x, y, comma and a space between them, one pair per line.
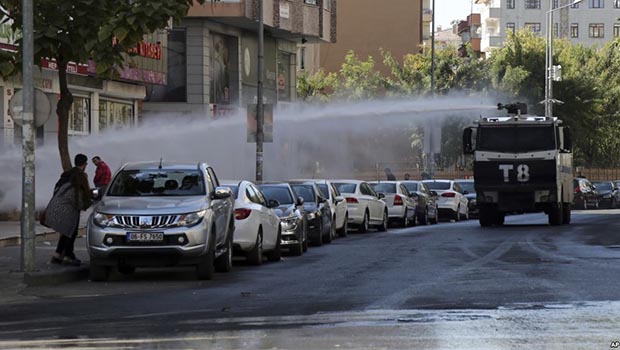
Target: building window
532, 4
616, 30
510, 4
114, 114
79, 116
597, 30
555, 4
556, 30
510, 27
175, 89
597, 4
574, 30
311, 2
534, 27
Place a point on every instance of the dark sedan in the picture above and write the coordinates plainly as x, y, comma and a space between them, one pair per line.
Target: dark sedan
318, 212
586, 196
609, 194
470, 193
427, 201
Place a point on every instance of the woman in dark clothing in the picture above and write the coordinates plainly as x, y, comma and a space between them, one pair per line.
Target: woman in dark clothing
71, 195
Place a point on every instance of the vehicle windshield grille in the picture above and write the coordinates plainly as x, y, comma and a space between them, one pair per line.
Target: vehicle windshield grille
160, 221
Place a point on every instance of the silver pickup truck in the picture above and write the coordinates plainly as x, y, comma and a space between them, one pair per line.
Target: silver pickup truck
162, 214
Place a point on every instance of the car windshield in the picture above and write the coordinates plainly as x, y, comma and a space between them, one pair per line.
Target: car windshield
324, 190
411, 186
345, 187
516, 139
306, 192
467, 186
384, 187
157, 183
438, 185
603, 186
279, 193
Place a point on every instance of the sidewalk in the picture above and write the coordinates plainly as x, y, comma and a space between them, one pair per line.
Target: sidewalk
10, 231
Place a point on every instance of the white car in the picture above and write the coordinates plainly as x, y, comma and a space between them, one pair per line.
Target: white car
401, 206
337, 204
257, 225
364, 205
451, 201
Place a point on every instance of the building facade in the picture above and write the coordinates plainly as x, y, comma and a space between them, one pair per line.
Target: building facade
469, 31
367, 26
213, 55
590, 22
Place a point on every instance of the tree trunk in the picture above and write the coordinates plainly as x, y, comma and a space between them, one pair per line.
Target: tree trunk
62, 110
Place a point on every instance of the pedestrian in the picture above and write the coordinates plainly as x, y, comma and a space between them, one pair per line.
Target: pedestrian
103, 175
72, 194
407, 176
389, 175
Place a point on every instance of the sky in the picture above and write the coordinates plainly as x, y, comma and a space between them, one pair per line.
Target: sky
448, 10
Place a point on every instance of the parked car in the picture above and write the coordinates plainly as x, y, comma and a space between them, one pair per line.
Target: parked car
320, 227
257, 226
292, 216
364, 205
336, 203
427, 201
162, 214
401, 206
467, 185
609, 194
451, 202
586, 196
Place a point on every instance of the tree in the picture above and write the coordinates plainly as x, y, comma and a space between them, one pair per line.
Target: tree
360, 80
83, 30
317, 87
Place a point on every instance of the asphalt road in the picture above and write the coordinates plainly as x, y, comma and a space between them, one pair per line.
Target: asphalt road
448, 286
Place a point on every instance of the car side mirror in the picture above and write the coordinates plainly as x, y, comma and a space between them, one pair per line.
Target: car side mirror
221, 193
300, 201
95, 193
434, 193
272, 203
339, 199
322, 199
380, 195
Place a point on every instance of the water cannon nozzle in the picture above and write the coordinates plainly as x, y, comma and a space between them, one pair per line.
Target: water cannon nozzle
517, 108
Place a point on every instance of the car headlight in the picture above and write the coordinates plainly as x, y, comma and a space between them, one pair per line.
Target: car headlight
191, 219
289, 223
103, 220
311, 216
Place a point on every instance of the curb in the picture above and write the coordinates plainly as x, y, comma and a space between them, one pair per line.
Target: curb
51, 278
17, 240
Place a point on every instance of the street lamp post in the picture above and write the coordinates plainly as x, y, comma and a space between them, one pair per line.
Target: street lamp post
260, 108
549, 56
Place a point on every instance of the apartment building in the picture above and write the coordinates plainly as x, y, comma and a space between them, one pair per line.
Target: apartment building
469, 31
213, 55
589, 22
367, 26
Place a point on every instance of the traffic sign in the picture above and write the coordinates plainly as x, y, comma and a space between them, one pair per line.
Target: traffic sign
42, 107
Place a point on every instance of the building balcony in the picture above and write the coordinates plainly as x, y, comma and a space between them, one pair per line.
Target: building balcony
427, 15
491, 13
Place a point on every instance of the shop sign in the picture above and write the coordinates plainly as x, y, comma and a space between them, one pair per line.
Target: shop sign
72, 67
143, 75
285, 9
145, 49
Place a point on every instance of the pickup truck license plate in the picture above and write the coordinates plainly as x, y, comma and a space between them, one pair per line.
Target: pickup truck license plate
145, 236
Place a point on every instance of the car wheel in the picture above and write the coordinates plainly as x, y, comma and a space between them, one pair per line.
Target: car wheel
255, 256
298, 249
585, 204
405, 220
276, 253
223, 263
384, 224
344, 231
456, 216
305, 241
330, 234
318, 239
205, 269
596, 204
99, 273
125, 269
364, 225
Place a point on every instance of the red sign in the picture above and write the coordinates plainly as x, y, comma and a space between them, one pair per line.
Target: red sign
145, 49
72, 67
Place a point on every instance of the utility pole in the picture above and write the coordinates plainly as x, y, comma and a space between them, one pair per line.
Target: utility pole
28, 171
431, 157
260, 108
549, 63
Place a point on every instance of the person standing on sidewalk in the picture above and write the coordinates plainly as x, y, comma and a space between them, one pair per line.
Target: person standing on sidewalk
103, 175
71, 195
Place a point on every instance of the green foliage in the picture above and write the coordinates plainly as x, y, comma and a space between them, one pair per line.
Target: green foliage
317, 87
360, 80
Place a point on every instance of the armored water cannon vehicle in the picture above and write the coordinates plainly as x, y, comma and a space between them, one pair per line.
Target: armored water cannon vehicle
522, 164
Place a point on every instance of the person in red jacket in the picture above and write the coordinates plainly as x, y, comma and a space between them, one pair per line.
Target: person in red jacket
103, 175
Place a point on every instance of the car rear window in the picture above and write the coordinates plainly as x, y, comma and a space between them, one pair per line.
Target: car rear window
344, 187
279, 193
306, 192
467, 186
411, 186
438, 185
384, 187
157, 183
606, 186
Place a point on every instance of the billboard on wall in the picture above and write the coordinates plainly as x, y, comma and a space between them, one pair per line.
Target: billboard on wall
267, 125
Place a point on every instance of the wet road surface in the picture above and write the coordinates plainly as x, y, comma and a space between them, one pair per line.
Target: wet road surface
453, 285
